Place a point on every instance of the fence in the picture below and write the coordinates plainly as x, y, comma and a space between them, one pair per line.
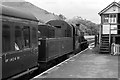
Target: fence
115, 49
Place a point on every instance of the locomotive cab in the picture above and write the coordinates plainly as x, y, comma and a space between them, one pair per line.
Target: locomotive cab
79, 42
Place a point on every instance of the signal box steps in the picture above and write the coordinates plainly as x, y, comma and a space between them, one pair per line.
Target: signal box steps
104, 47
104, 52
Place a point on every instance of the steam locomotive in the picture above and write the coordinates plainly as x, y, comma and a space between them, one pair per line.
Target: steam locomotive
26, 45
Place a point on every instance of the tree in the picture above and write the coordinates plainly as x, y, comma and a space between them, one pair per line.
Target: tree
86, 26
62, 17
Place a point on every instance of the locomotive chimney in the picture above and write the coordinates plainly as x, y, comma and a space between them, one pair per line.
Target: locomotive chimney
77, 24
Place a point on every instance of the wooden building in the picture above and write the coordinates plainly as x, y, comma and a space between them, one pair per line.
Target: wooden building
110, 27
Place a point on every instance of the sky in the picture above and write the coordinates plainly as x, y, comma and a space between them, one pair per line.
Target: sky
87, 9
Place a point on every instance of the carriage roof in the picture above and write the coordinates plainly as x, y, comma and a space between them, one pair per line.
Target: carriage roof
12, 12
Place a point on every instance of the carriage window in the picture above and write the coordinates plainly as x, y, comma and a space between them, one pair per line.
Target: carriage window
26, 36
34, 35
18, 38
6, 41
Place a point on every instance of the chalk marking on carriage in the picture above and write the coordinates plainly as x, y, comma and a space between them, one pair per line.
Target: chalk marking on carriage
59, 64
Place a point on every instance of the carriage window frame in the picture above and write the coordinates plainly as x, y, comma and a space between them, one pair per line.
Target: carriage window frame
34, 35
26, 36
18, 41
6, 43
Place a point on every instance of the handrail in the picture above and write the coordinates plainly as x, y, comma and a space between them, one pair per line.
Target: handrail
110, 39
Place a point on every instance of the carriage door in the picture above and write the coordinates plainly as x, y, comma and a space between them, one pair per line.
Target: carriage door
29, 58
26, 47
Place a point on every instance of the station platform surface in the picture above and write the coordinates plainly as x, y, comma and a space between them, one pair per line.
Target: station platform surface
87, 64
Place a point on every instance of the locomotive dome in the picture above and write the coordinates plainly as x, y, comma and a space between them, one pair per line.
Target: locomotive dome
12, 12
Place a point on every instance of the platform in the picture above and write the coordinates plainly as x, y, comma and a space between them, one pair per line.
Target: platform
87, 64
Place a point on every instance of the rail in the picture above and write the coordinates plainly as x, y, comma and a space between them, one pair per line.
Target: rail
89, 39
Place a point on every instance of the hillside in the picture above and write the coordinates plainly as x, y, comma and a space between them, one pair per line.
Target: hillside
88, 27
43, 16
39, 13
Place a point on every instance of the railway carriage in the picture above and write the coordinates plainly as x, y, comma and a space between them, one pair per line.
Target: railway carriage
18, 39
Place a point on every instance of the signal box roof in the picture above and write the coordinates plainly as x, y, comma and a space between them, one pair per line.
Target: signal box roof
112, 5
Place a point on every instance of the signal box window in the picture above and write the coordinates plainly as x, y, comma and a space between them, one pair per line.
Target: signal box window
118, 20
6, 38
18, 38
106, 18
109, 18
26, 36
113, 18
